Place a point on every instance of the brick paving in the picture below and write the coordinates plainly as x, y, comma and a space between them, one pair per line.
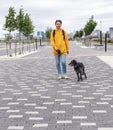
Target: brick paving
32, 98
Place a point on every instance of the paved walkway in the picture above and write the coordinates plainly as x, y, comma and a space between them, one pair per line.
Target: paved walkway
32, 98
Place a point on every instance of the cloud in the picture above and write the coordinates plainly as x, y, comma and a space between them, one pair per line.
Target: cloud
73, 13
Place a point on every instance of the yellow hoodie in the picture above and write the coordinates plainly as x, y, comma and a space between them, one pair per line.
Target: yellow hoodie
59, 42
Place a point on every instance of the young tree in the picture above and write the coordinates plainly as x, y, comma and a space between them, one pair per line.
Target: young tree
90, 26
28, 27
20, 21
78, 33
20, 26
24, 25
10, 24
48, 31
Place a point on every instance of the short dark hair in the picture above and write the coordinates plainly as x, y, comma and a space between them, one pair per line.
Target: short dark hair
58, 21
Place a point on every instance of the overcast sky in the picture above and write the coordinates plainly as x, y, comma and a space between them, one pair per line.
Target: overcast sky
73, 13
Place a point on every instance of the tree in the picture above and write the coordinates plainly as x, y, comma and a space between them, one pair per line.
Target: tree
20, 21
10, 24
90, 26
20, 26
24, 25
48, 31
78, 33
28, 26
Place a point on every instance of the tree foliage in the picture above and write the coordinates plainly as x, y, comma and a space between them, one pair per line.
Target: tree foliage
48, 31
10, 23
78, 33
90, 26
28, 26
20, 20
24, 23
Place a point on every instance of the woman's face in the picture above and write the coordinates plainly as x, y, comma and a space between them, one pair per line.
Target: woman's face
58, 25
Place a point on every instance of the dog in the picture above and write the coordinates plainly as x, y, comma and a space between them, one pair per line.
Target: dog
79, 69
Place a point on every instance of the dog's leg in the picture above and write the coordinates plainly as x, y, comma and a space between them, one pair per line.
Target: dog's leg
81, 76
78, 76
85, 75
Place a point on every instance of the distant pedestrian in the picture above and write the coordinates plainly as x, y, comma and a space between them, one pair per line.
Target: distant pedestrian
60, 45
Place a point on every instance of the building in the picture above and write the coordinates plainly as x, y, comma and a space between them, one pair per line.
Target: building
111, 32
96, 34
40, 34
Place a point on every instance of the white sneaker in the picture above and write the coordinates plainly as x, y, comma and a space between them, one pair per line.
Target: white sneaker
59, 76
65, 76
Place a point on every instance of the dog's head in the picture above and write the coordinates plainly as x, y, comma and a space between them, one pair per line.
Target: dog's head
73, 63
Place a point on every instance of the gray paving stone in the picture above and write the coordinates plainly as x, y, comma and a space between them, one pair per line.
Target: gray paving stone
29, 88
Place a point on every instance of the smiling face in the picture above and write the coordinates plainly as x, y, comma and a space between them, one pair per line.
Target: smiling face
58, 24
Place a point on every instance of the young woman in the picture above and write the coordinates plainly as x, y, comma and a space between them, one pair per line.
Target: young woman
60, 45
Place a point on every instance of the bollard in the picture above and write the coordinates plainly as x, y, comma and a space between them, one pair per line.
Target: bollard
40, 41
105, 42
36, 43
101, 37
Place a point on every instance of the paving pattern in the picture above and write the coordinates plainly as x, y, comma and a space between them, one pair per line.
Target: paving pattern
32, 98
